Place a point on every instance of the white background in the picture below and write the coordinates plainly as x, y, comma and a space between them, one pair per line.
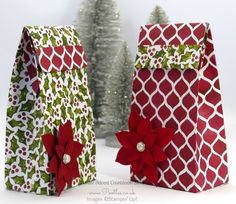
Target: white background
15, 14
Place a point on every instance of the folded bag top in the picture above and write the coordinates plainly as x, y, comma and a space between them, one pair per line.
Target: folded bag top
175, 46
55, 48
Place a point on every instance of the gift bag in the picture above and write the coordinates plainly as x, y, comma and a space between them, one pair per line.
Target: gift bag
50, 141
176, 86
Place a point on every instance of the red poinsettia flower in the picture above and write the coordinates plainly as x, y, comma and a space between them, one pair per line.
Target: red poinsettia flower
63, 152
142, 146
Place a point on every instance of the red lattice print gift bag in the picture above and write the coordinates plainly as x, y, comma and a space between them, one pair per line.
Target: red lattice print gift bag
176, 86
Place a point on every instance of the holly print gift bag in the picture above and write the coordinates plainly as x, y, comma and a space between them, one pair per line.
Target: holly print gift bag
176, 136
50, 141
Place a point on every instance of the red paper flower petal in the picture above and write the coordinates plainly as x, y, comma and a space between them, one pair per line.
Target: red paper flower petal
151, 174
65, 133
164, 136
49, 142
158, 154
69, 147
147, 158
60, 151
127, 139
149, 140
73, 166
134, 120
137, 166
77, 149
126, 156
65, 172
60, 183
144, 128
54, 164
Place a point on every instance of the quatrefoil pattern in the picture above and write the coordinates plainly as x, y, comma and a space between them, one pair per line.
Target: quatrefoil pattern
188, 100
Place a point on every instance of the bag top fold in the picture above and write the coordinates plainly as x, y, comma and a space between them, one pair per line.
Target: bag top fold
171, 46
58, 48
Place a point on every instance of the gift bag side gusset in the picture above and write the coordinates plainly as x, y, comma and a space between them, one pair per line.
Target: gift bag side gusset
22, 142
211, 141
170, 96
56, 102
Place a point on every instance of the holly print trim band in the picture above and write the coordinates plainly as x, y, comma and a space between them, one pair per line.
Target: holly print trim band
169, 56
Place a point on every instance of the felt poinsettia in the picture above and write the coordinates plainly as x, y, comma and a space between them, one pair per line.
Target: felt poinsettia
142, 146
63, 152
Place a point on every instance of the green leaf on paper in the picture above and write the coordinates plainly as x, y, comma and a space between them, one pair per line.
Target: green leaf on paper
14, 144
21, 136
34, 145
23, 94
44, 176
66, 31
31, 173
10, 160
138, 65
11, 110
89, 136
83, 139
159, 54
87, 158
82, 90
19, 52
20, 65
181, 49
45, 39
55, 32
142, 50
81, 181
84, 121
75, 39
70, 112
93, 149
53, 40
171, 51
81, 163
64, 40
88, 179
35, 186
92, 169
19, 180
8, 131
41, 160
147, 63
44, 191
28, 106
16, 79
46, 84
35, 35
8, 184
16, 123
22, 165
186, 56
30, 125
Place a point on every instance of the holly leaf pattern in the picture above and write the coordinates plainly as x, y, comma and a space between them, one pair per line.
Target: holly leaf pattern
44, 112
169, 56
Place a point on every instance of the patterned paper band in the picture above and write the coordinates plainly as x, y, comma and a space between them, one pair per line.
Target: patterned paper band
57, 48
169, 56
61, 58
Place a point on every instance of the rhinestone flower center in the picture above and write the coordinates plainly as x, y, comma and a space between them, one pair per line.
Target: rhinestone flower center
140, 146
66, 158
